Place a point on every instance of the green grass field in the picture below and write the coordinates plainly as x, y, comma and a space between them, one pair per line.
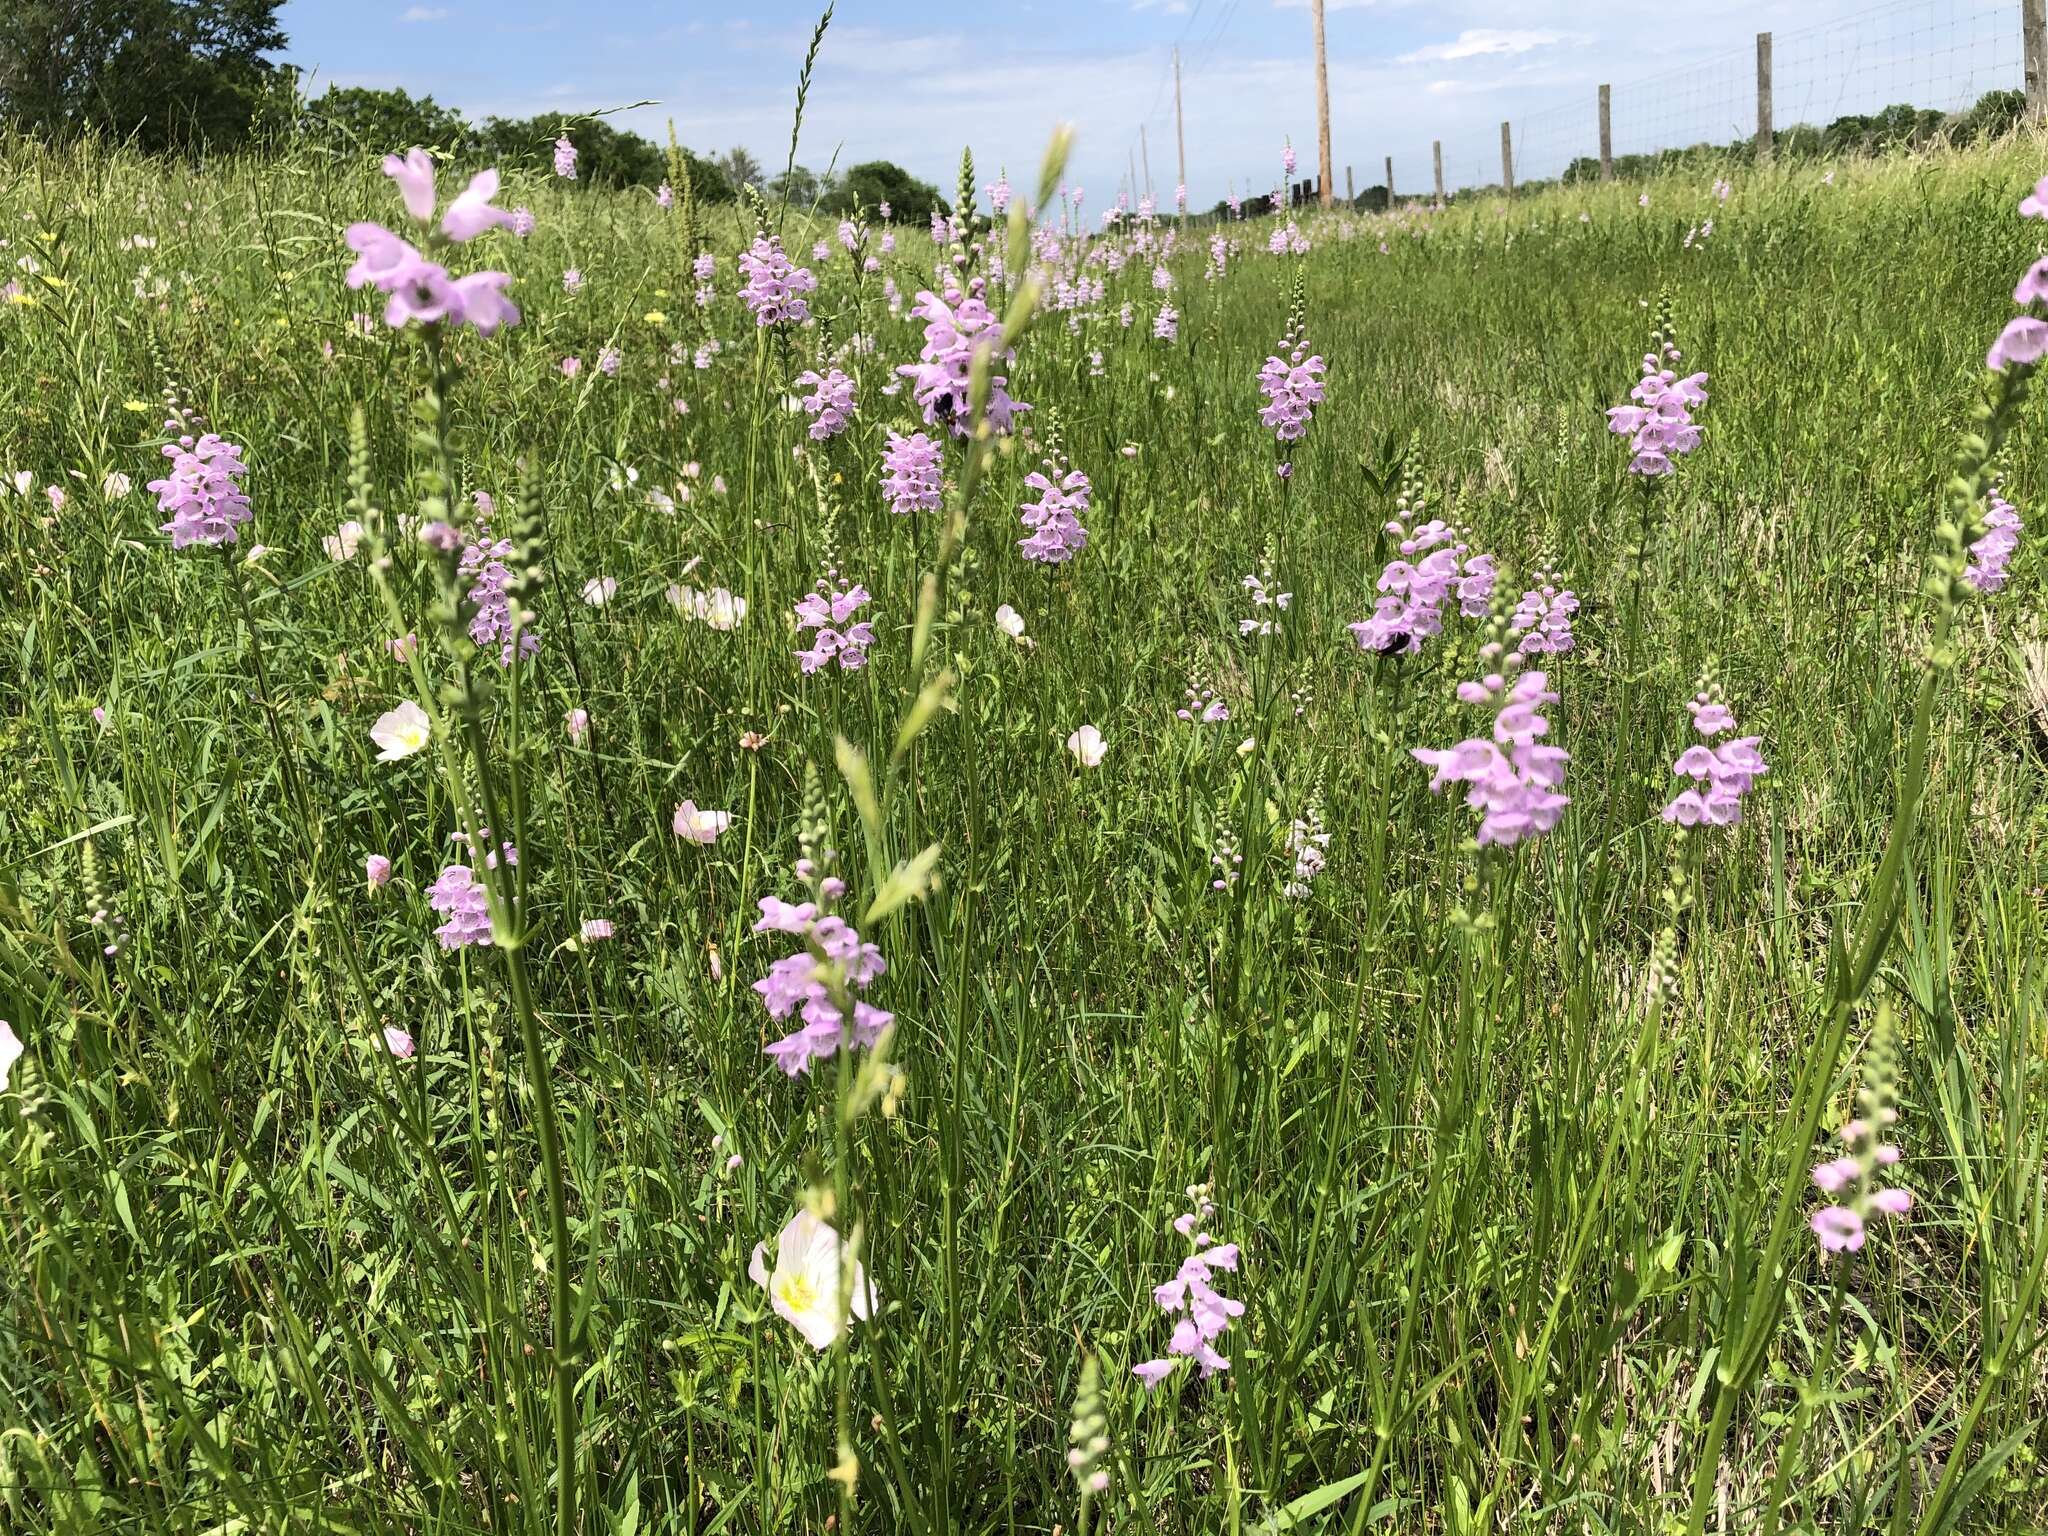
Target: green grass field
1514, 1142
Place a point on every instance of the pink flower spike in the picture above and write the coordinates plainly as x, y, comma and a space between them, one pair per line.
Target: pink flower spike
1893, 1202
1694, 763
1839, 1229
1152, 1372
471, 213
1831, 1178
1210, 1361
779, 916
1712, 719
2034, 286
415, 177
384, 259
2023, 340
1688, 810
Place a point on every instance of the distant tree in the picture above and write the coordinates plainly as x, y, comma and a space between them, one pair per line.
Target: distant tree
168, 74
605, 156
740, 167
804, 187
875, 182
1802, 141
1904, 127
1996, 113
386, 122
708, 183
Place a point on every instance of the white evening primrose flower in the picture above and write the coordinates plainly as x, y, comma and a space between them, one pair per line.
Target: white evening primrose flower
1087, 746
695, 826
10, 1051
600, 590
804, 1289
343, 543
1010, 622
401, 731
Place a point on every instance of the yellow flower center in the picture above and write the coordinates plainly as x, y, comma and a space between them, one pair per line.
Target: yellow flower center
797, 1293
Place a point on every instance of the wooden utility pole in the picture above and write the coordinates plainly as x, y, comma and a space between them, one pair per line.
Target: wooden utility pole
1145, 155
1606, 133
1322, 111
1507, 161
1436, 153
1763, 95
1180, 132
1390, 183
2034, 47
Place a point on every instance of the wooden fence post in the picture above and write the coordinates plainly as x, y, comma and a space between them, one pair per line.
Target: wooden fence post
1606, 133
1507, 161
1436, 153
2034, 45
1763, 95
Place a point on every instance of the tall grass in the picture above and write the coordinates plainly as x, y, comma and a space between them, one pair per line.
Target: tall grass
1522, 1232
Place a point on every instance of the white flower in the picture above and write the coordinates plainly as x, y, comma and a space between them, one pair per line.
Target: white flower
804, 1289
1087, 746
695, 826
343, 543
717, 609
115, 486
1010, 622
599, 590
401, 731
1248, 746
10, 1051
24, 482
397, 1042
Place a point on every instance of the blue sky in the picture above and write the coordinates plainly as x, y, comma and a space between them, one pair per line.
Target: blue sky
914, 82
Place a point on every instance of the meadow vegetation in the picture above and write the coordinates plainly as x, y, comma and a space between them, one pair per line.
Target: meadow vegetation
356, 1176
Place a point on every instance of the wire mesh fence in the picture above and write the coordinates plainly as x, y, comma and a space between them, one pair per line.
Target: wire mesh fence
1835, 85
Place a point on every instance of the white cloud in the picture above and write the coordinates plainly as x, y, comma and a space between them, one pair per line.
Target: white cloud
425, 13
1485, 42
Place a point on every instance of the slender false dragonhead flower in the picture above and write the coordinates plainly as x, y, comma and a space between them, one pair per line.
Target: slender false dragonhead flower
1868, 1159
1659, 424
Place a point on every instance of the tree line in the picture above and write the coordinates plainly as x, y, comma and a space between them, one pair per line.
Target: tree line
196, 76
